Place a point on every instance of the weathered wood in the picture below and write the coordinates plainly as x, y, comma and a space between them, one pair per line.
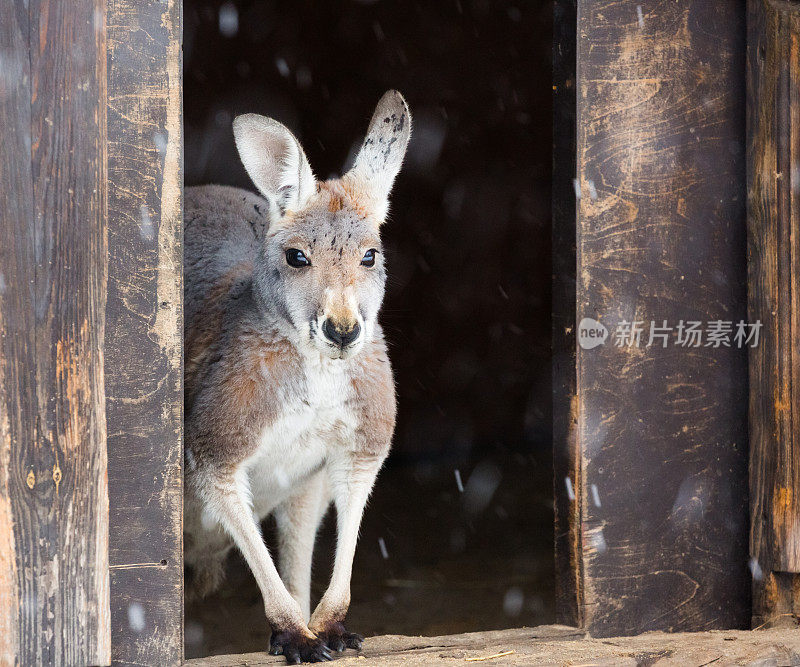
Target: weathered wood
397, 649
548, 645
16, 263
54, 596
565, 456
144, 381
660, 476
773, 106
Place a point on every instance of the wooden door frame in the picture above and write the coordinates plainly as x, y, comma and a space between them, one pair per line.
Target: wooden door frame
599, 78
144, 331
54, 527
773, 187
119, 187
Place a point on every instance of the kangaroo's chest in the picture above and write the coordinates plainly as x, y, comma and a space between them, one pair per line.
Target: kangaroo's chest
296, 443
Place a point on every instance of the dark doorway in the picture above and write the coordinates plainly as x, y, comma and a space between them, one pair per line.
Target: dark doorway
458, 534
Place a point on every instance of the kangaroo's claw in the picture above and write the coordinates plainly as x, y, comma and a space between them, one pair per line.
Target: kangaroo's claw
297, 648
338, 638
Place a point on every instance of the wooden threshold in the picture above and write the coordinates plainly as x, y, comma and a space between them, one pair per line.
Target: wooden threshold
549, 644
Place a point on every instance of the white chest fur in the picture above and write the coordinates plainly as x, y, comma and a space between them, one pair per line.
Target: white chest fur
298, 442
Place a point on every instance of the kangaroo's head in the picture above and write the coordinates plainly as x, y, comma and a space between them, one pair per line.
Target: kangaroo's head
321, 269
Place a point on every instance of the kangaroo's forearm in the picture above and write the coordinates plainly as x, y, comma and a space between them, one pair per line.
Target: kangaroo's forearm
351, 485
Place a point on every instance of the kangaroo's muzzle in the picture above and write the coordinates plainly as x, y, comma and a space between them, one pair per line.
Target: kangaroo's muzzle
341, 334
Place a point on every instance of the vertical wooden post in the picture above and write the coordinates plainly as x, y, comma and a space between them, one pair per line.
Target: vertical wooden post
144, 373
651, 448
54, 594
773, 74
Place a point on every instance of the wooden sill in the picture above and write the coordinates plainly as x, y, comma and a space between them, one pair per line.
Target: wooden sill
558, 644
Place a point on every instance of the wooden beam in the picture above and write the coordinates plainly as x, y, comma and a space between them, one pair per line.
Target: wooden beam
653, 440
773, 106
54, 594
144, 379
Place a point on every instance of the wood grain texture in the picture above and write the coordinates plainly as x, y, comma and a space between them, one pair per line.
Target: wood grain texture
16, 260
54, 594
524, 644
548, 645
773, 76
144, 381
661, 480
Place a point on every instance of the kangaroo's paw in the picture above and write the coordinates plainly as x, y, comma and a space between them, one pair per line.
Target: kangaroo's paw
297, 648
338, 638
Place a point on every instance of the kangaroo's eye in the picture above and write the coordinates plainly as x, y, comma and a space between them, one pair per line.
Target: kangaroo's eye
296, 258
369, 257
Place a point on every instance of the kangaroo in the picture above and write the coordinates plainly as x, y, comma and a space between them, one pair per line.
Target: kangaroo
290, 403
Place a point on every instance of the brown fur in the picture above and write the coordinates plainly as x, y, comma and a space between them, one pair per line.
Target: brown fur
247, 401
345, 194
203, 332
373, 385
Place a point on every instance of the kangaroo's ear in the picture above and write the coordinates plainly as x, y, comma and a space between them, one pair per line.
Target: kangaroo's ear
381, 154
275, 162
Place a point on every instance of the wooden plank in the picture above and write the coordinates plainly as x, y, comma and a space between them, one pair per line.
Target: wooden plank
773, 76
660, 483
16, 305
565, 456
398, 649
54, 596
144, 380
548, 645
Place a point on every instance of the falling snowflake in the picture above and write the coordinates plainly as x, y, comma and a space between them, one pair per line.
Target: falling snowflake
228, 20
382, 547
459, 483
136, 617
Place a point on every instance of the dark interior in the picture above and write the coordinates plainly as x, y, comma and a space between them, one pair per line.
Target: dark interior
458, 536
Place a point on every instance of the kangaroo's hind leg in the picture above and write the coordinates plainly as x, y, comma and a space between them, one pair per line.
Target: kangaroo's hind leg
297, 520
205, 551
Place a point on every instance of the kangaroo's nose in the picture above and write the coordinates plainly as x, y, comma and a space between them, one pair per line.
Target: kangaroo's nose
339, 334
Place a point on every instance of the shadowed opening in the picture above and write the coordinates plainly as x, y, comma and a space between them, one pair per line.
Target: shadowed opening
458, 535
